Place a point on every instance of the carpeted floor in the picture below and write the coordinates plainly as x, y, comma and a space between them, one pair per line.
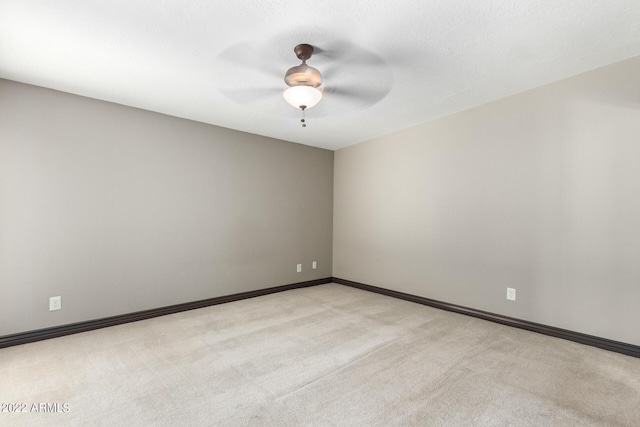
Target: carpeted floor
324, 355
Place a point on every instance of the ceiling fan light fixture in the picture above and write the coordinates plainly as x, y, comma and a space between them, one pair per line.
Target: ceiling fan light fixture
303, 82
302, 96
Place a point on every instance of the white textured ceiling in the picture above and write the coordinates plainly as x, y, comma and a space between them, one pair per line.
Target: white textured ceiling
387, 65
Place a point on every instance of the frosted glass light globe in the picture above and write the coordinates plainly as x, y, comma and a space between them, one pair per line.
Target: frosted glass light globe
302, 96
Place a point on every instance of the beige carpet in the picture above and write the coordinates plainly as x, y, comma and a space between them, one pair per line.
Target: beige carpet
325, 355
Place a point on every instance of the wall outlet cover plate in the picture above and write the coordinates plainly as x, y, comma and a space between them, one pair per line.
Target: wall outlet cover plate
55, 303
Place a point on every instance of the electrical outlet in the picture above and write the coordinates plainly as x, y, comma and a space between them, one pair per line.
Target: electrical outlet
55, 303
314, 265
299, 268
511, 294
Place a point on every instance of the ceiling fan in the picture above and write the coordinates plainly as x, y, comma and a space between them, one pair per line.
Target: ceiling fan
303, 82
352, 77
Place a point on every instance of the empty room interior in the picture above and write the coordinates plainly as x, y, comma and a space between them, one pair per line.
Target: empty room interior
327, 213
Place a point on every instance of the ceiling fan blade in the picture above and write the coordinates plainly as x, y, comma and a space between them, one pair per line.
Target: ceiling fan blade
361, 73
357, 95
251, 95
250, 57
361, 85
346, 52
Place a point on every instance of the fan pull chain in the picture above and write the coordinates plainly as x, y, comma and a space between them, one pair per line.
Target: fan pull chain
304, 125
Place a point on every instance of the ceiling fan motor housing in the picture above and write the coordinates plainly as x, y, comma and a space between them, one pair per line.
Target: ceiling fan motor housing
303, 74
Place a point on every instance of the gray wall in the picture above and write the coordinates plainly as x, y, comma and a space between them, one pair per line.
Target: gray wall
539, 192
119, 210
